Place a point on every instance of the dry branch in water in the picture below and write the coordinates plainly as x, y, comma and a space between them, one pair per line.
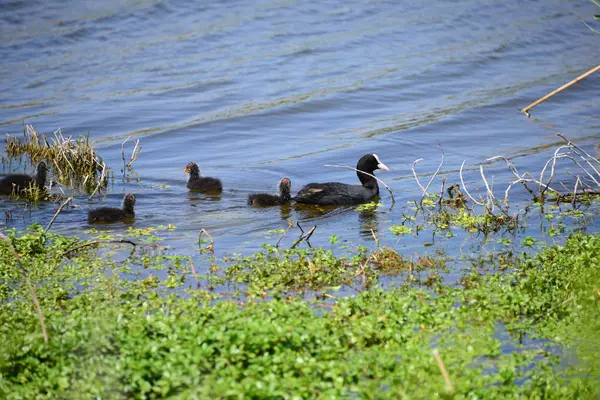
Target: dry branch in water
304, 236
587, 164
134, 154
57, 212
290, 225
93, 242
211, 246
560, 89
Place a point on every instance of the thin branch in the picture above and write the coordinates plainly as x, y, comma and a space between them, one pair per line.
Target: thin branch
31, 288
57, 212
440, 364
304, 236
366, 173
580, 149
442, 191
93, 242
211, 246
135, 153
480, 203
290, 225
560, 89
415, 175
490, 194
100, 181
123, 152
435, 174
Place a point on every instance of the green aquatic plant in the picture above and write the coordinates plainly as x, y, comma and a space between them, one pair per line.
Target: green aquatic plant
116, 331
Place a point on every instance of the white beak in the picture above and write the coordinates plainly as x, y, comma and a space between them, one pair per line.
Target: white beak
380, 165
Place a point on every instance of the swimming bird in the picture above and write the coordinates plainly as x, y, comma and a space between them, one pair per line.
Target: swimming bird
201, 183
111, 214
335, 193
17, 183
263, 199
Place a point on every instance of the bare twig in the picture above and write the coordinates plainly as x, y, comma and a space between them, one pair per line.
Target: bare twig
434, 175
414, 171
575, 191
442, 191
375, 237
304, 236
135, 153
31, 288
58, 212
290, 225
123, 151
366, 173
100, 181
93, 242
560, 89
211, 246
481, 203
440, 364
569, 143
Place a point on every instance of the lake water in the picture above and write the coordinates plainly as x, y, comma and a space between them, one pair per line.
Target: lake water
255, 91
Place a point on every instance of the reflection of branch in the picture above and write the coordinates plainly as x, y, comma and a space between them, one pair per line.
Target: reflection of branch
57, 212
304, 236
366, 173
30, 287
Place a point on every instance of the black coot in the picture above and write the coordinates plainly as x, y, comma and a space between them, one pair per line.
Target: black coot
110, 214
263, 199
16, 183
200, 183
335, 193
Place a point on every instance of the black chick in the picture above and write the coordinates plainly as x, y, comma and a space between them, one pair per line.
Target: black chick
17, 183
200, 183
111, 214
264, 199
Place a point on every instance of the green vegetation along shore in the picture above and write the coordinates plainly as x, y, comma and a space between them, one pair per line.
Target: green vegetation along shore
113, 332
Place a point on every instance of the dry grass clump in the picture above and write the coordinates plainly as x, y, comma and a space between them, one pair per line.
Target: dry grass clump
389, 262
75, 162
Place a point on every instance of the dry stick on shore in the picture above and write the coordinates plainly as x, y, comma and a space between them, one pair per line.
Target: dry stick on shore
560, 89
366, 173
211, 246
440, 363
93, 242
58, 212
30, 287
